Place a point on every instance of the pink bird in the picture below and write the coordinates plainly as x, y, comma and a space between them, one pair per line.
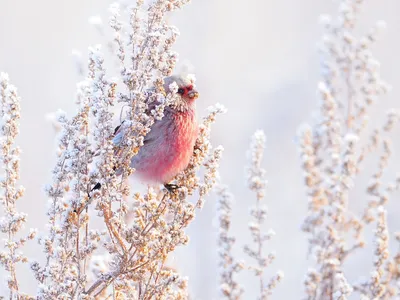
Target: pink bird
169, 145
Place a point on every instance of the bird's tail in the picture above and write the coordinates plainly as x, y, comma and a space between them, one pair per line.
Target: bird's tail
96, 187
78, 210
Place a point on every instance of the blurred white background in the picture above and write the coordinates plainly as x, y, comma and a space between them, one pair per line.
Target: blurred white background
256, 57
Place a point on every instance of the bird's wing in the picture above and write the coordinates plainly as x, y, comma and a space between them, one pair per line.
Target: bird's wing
119, 134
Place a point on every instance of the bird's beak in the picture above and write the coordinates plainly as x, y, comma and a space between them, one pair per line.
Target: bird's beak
193, 94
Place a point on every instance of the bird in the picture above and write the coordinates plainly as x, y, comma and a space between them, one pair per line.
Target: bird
169, 145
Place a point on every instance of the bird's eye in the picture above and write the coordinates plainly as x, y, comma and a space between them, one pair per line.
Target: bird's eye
181, 91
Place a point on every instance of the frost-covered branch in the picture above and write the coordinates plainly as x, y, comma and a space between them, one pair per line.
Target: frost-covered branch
90, 178
12, 221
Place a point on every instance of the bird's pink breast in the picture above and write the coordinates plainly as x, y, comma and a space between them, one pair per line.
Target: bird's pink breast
168, 148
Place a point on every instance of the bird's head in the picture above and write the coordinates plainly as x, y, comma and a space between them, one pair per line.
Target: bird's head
186, 89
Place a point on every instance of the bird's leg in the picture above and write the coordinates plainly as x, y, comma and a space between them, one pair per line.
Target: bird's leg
171, 187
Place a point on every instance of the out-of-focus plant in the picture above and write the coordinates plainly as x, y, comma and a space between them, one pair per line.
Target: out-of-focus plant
229, 267
332, 152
